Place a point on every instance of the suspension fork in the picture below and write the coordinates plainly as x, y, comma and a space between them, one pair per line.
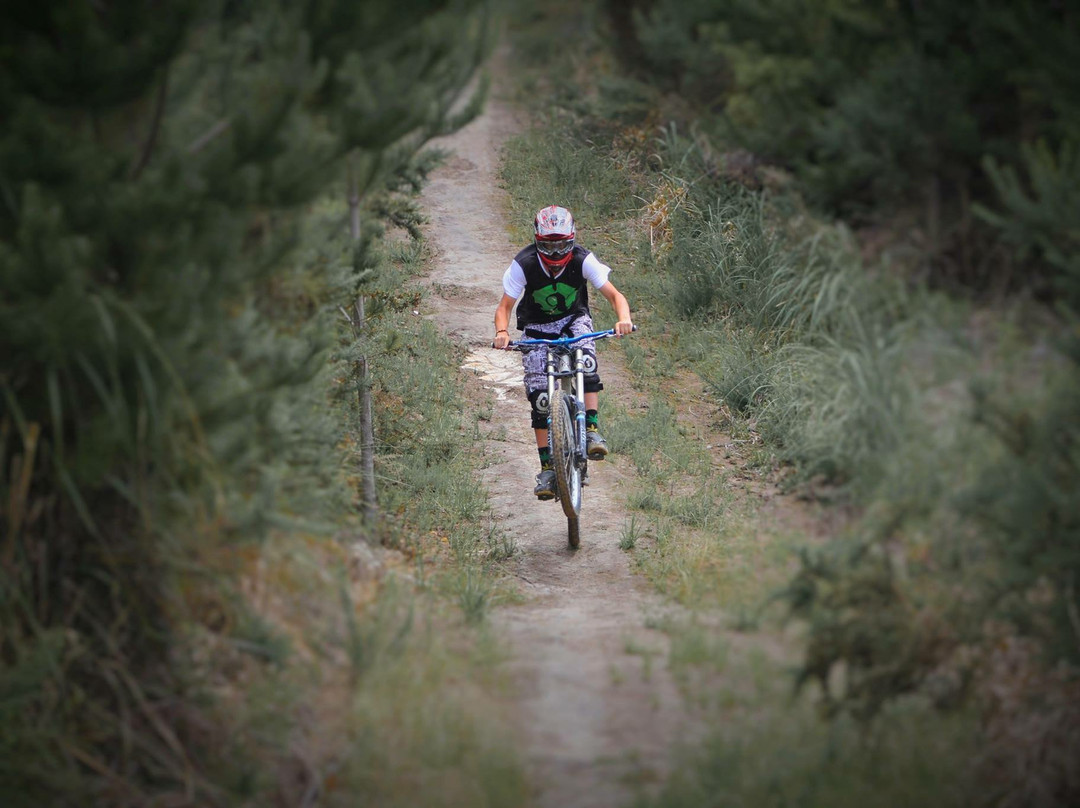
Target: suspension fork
579, 397
558, 370
550, 370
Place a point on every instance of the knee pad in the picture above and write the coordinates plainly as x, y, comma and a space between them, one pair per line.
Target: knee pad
592, 377
538, 400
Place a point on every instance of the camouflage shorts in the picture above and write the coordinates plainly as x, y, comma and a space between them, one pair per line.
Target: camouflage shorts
533, 361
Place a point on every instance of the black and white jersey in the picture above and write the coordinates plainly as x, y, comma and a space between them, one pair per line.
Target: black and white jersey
546, 298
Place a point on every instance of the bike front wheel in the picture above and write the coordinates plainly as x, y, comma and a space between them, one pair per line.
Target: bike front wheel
573, 532
563, 453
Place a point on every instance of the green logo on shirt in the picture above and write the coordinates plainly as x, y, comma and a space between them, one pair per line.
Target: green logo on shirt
555, 299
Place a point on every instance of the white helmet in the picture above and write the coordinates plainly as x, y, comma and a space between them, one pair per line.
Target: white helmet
554, 236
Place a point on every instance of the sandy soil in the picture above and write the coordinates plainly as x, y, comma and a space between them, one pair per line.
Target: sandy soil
598, 711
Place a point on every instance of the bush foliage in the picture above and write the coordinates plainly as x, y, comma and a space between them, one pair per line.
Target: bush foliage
946, 430
879, 109
165, 350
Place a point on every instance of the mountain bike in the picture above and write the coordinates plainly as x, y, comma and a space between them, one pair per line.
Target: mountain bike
565, 368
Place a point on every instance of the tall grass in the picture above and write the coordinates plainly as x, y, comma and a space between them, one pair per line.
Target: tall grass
914, 758
731, 259
552, 166
394, 674
420, 725
897, 403
425, 457
290, 662
840, 409
868, 390
412, 740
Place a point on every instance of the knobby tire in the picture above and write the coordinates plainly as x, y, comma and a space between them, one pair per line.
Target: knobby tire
567, 475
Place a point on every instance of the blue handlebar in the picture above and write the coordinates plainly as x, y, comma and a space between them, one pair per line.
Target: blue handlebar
564, 340
561, 340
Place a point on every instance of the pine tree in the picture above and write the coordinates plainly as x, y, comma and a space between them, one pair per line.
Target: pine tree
879, 109
155, 160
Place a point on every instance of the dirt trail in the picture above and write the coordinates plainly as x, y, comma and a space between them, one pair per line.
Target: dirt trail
597, 708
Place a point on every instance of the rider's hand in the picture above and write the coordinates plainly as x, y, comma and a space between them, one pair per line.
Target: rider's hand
623, 327
502, 339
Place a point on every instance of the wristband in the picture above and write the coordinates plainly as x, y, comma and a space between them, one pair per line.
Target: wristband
503, 331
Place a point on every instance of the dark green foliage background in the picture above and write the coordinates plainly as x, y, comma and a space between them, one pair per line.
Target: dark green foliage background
896, 386
165, 339
961, 121
892, 107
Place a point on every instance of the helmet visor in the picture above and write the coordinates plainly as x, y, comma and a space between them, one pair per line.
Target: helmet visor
555, 248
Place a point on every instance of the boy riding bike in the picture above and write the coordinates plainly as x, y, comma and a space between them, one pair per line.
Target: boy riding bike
550, 277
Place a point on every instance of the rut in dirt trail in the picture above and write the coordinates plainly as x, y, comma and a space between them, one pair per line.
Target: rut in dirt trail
596, 707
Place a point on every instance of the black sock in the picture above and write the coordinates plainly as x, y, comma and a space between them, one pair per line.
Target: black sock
545, 457
591, 419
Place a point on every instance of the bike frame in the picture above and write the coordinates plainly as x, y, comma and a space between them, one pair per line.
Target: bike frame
565, 364
571, 374
565, 369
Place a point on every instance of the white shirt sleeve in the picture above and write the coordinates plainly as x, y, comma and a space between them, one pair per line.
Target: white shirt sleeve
596, 272
514, 280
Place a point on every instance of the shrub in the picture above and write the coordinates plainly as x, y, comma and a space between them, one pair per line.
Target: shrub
1039, 215
164, 397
